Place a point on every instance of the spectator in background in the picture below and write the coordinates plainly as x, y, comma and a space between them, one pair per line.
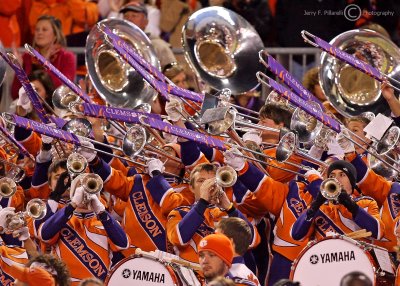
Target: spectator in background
174, 14
176, 74
49, 40
110, 9
10, 31
75, 15
136, 13
44, 87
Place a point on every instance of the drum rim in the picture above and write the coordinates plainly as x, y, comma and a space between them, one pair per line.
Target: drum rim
169, 268
336, 236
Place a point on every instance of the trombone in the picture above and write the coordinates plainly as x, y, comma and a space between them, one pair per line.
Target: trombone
134, 140
289, 145
261, 77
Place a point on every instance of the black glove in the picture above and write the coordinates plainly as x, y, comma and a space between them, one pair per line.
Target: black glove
314, 207
348, 202
61, 186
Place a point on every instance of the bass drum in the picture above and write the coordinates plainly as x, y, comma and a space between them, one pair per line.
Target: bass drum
148, 271
328, 261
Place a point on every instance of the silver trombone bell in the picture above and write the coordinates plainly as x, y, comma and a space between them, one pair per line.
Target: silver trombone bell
134, 141
78, 126
63, 98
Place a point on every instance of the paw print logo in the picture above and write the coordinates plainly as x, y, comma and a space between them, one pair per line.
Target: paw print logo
203, 243
126, 273
314, 259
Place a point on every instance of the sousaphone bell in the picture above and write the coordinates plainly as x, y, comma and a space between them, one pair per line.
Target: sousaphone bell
115, 80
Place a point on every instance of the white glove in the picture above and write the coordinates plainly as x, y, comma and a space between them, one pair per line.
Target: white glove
23, 100
96, 204
76, 182
155, 165
345, 143
87, 153
78, 196
252, 136
4, 213
234, 159
316, 152
311, 172
173, 108
44, 156
22, 233
47, 139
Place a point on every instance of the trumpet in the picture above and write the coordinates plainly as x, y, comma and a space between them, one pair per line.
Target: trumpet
330, 189
7, 187
225, 176
76, 164
35, 208
92, 184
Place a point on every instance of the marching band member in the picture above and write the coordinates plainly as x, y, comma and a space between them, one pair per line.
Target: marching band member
150, 198
83, 234
285, 201
239, 232
42, 270
356, 124
187, 225
14, 252
275, 116
215, 258
352, 213
385, 193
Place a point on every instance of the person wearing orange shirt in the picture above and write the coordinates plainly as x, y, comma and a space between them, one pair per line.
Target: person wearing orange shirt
76, 15
187, 225
349, 214
10, 31
83, 234
286, 202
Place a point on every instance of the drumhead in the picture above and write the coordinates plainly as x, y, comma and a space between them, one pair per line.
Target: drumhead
141, 271
328, 261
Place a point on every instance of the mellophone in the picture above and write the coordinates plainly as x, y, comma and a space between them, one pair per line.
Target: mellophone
154, 268
327, 261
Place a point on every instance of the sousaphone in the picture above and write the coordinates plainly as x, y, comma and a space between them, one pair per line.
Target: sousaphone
114, 79
222, 48
351, 91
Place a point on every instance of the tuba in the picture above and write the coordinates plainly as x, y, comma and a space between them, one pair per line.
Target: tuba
350, 91
115, 80
222, 48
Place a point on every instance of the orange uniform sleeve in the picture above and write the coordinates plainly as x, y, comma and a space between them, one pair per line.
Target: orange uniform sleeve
270, 194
